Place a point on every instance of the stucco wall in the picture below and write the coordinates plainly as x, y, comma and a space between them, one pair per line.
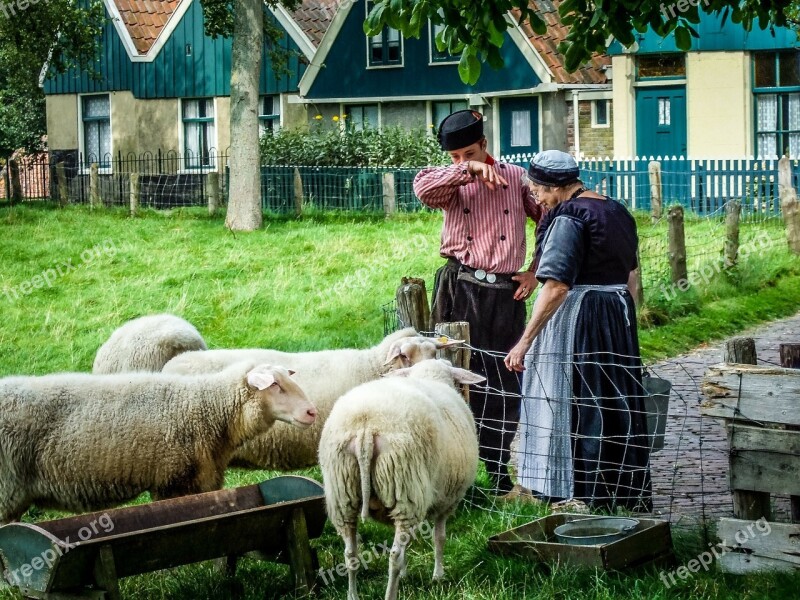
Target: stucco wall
139, 126
719, 104
62, 121
554, 121
623, 105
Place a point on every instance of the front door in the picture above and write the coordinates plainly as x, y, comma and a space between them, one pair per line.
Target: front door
661, 121
519, 125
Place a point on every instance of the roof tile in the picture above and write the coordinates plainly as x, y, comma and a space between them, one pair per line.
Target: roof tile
146, 19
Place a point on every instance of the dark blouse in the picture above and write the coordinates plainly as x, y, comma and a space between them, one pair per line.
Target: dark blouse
587, 241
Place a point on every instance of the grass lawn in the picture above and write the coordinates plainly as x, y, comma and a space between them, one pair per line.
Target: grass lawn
70, 277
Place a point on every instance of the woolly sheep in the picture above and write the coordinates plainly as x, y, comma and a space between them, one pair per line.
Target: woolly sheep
324, 375
81, 442
402, 451
147, 344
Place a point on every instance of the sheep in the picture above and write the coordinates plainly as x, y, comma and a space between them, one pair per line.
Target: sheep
147, 344
324, 375
402, 451
81, 442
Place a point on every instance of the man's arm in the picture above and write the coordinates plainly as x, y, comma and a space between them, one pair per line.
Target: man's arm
437, 187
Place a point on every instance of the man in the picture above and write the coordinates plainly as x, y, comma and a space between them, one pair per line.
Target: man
486, 205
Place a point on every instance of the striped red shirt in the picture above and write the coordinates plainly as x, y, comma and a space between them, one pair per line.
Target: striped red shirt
483, 229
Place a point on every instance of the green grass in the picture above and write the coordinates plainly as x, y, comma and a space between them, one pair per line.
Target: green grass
319, 282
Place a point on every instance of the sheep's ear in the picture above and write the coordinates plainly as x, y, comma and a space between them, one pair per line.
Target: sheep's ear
444, 342
394, 352
260, 379
291, 371
398, 373
464, 376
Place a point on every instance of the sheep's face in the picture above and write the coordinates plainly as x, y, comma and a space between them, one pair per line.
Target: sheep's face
280, 396
410, 351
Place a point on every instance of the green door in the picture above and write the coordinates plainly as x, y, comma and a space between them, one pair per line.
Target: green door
661, 121
519, 125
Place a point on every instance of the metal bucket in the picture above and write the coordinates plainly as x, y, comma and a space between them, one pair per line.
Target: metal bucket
593, 531
656, 404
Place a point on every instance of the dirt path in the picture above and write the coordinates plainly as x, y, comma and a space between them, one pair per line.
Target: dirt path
690, 475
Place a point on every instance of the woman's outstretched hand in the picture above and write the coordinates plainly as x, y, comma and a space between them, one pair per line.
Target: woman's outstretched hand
515, 361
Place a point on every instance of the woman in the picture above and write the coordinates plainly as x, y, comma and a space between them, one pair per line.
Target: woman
583, 431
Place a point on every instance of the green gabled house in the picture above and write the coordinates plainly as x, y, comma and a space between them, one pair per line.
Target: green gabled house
531, 104
161, 85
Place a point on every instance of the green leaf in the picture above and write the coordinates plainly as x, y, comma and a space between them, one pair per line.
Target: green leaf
494, 58
373, 23
496, 38
538, 25
683, 38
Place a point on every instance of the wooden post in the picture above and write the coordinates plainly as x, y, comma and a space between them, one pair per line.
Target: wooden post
412, 304
389, 195
654, 171
61, 181
638, 291
94, 185
298, 192
16, 185
733, 211
790, 359
746, 504
135, 194
677, 248
105, 573
212, 179
789, 204
460, 356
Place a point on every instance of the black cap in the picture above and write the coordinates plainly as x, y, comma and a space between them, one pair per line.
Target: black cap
460, 129
553, 167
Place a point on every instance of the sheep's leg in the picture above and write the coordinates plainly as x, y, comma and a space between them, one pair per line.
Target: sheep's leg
351, 559
397, 561
439, 536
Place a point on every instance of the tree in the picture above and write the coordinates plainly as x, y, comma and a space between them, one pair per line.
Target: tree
475, 30
57, 34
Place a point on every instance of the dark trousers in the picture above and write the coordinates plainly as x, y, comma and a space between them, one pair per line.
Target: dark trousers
496, 323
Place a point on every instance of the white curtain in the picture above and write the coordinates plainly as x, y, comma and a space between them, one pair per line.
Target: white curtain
97, 129
794, 125
520, 128
199, 134
767, 108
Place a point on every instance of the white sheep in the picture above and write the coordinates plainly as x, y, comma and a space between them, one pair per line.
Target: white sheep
147, 344
79, 442
324, 375
402, 451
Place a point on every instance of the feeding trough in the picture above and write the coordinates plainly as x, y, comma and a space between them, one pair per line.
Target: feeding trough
85, 556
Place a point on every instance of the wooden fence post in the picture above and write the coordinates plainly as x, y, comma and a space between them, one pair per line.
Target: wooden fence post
677, 248
136, 188
746, 504
789, 204
733, 212
16, 185
654, 171
790, 359
212, 181
459, 356
61, 182
412, 303
94, 186
298, 192
389, 195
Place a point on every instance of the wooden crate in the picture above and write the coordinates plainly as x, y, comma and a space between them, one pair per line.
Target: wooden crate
650, 543
748, 548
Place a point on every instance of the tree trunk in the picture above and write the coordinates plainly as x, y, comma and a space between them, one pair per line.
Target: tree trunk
244, 205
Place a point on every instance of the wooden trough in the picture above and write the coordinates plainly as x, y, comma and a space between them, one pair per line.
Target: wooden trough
85, 556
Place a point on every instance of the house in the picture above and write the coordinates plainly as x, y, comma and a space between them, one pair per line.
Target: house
161, 87
734, 94
384, 80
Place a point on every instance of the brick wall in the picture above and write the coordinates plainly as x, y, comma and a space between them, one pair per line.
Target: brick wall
595, 141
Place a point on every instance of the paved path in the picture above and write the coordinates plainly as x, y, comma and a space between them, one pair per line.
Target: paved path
690, 475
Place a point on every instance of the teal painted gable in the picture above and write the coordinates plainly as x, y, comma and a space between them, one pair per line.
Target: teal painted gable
175, 72
345, 69
714, 36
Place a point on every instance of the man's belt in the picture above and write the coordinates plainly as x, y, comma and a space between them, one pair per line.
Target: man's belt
500, 281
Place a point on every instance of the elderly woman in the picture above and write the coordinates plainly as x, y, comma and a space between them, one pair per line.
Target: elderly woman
585, 430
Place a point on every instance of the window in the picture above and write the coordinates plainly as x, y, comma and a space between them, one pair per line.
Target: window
439, 56
96, 116
199, 133
439, 110
385, 48
660, 66
520, 128
776, 79
269, 114
600, 113
664, 117
361, 116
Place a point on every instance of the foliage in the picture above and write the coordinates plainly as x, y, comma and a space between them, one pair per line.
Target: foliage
477, 33
349, 147
56, 33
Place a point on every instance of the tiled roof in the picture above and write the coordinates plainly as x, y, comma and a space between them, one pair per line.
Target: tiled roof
546, 45
314, 17
145, 19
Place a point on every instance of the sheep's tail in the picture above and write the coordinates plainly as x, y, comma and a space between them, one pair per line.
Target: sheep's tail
365, 446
